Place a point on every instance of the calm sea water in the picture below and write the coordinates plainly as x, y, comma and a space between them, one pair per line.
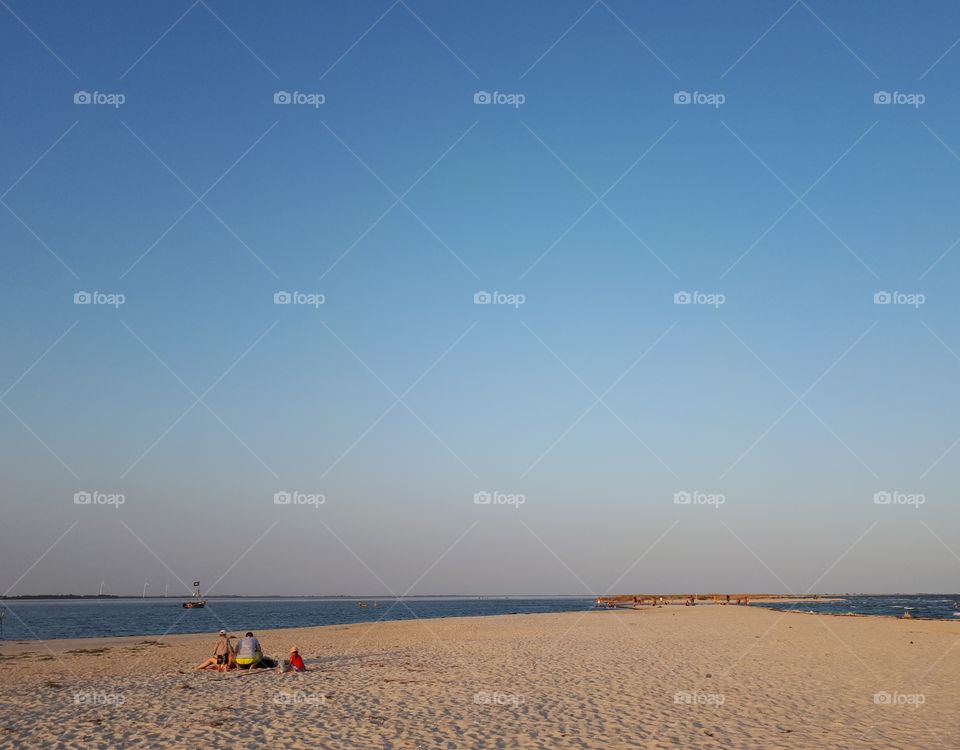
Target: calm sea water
26, 620
931, 606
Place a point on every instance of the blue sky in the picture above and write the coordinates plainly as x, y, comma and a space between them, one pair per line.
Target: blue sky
798, 198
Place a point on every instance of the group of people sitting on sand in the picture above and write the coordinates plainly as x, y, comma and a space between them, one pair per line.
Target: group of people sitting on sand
247, 654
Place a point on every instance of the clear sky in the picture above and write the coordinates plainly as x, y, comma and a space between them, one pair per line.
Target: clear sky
786, 162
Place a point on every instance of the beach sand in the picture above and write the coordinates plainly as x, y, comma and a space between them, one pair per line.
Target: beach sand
707, 676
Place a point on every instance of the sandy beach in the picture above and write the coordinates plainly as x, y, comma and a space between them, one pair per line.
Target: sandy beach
708, 676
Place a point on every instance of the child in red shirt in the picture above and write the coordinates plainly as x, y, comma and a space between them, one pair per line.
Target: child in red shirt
296, 661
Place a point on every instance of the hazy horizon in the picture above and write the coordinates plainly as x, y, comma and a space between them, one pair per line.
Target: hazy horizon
388, 597
422, 296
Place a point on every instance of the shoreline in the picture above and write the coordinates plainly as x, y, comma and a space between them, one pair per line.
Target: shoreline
861, 614
415, 597
81, 643
107, 641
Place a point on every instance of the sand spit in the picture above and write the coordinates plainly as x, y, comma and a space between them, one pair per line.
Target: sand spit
725, 677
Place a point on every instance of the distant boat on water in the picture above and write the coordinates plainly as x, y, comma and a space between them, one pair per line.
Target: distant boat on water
197, 602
